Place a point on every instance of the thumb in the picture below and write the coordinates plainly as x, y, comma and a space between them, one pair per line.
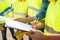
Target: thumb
36, 31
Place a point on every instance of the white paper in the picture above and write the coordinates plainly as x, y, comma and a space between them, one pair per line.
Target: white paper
4, 18
18, 25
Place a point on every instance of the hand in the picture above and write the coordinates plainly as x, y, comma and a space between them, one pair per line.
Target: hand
36, 25
37, 35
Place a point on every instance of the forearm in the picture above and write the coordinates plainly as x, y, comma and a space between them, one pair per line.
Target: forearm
24, 20
52, 37
30, 19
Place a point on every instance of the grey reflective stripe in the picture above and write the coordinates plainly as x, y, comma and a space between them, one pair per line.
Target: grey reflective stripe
17, 13
1, 0
34, 8
51, 30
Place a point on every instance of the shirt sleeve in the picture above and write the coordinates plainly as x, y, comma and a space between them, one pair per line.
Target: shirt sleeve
42, 11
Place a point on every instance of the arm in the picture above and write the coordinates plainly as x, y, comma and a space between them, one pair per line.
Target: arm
42, 12
40, 15
25, 19
40, 36
52, 37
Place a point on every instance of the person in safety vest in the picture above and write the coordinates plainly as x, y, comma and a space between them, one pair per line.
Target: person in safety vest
39, 16
33, 8
5, 11
52, 23
20, 8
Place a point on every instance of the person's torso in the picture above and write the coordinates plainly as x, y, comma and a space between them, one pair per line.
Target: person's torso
20, 8
52, 17
34, 6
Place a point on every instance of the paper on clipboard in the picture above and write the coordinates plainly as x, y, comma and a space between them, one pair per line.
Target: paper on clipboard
18, 25
4, 18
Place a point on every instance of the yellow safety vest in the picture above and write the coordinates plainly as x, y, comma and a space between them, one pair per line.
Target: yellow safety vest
53, 18
19, 8
34, 6
4, 5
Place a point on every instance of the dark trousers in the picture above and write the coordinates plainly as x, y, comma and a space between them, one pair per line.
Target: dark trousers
4, 33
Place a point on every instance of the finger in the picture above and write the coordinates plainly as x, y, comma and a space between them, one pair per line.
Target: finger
31, 32
16, 19
33, 36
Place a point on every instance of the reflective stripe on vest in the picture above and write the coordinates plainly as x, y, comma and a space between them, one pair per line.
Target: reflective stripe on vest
17, 13
20, 11
1, 0
51, 30
34, 8
6, 11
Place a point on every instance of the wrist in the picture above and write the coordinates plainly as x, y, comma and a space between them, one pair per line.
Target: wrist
43, 36
49, 37
46, 37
